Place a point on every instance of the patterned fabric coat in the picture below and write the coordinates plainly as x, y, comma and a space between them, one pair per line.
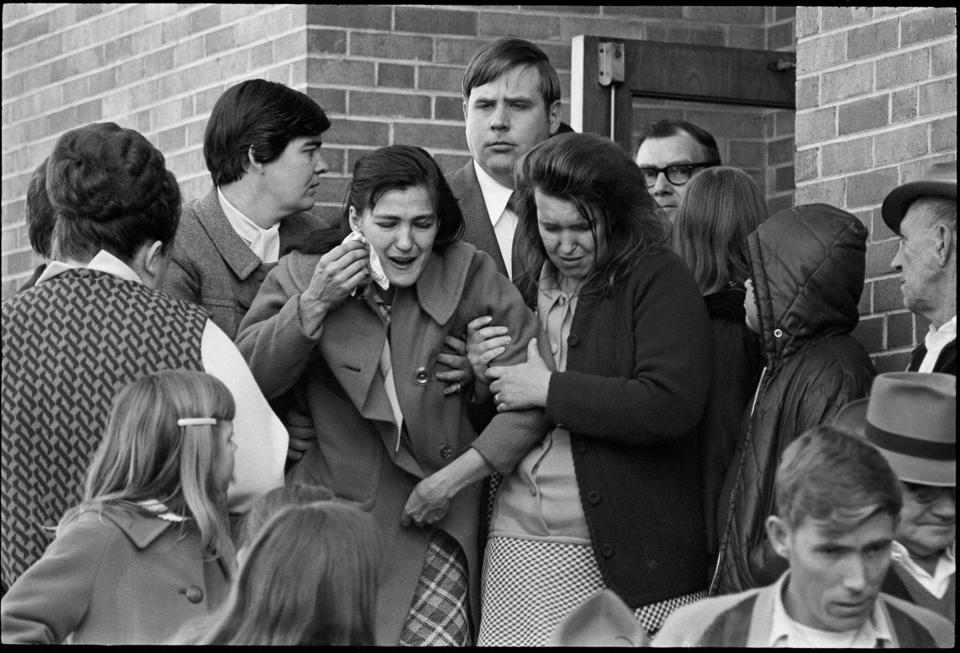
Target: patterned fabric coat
69, 345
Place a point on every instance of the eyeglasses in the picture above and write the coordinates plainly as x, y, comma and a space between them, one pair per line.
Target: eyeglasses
928, 493
677, 174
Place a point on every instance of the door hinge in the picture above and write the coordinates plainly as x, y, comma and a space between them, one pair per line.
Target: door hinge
611, 63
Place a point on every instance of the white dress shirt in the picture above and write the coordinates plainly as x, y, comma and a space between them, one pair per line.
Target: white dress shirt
496, 196
787, 633
939, 581
265, 243
259, 434
935, 341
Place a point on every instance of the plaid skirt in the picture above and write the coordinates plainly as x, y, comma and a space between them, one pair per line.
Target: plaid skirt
529, 586
439, 615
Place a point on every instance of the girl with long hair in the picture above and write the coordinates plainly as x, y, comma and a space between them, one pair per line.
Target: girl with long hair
610, 497
309, 577
719, 209
149, 546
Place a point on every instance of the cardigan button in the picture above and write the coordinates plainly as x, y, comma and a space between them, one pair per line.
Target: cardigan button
194, 594
606, 550
580, 446
573, 340
594, 497
445, 451
421, 376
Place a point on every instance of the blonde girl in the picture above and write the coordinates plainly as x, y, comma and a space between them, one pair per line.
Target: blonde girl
149, 546
309, 577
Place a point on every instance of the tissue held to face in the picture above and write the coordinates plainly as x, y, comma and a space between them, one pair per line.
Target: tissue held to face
401, 228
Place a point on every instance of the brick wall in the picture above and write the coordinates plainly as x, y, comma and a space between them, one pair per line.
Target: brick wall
385, 74
876, 105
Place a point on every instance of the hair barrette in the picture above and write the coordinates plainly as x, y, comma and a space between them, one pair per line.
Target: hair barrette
196, 421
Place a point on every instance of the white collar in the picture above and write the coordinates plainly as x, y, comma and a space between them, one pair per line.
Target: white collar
786, 631
946, 332
104, 261
261, 241
160, 511
495, 194
936, 583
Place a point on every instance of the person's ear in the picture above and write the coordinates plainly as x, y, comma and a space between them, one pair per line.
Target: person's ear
945, 243
779, 535
553, 116
252, 163
464, 109
150, 263
354, 218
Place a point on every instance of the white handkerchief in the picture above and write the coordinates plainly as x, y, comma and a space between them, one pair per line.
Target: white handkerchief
376, 268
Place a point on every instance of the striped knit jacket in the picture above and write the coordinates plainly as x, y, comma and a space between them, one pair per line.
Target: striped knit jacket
70, 345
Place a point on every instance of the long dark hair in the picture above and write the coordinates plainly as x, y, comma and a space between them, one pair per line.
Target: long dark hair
608, 189
395, 167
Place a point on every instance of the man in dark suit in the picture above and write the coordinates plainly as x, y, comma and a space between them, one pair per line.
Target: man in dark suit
924, 214
511, 102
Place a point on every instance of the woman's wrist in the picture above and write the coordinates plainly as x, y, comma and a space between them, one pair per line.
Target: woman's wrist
312, 314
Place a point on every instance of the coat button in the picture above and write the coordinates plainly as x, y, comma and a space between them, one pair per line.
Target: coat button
594, 497
421, 375
580, 446
606, 550
445, 451
573, 340
194, 594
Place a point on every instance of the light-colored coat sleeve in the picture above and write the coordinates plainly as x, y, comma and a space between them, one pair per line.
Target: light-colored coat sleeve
271, 338
259, 435
50, 600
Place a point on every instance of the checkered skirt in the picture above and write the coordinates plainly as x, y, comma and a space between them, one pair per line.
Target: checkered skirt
439, 615
529, 586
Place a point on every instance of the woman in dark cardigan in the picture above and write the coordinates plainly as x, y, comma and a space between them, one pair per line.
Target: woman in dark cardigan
719, 208
611, 496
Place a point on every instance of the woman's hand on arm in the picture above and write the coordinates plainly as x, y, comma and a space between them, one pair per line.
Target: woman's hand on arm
460, 375
338, 273
430, 499
484, 343
522, 386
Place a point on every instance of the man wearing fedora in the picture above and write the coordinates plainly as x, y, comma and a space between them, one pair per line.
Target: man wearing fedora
837, 506
912, 418
924, 214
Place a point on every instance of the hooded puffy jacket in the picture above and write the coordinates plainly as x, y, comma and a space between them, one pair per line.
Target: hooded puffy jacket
808, 267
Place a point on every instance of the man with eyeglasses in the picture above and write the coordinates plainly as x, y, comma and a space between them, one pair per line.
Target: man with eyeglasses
923, 214
911, 417
670, 153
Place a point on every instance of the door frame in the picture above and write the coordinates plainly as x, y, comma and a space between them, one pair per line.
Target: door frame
759, 78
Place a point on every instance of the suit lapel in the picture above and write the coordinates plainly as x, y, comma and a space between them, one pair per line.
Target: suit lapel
478, 230
231, 247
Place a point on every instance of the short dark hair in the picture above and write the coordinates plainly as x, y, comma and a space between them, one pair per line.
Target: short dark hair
496, 59
670, 127
111, 190
827, 470
395, 167
598, 177
259, 114
40, 214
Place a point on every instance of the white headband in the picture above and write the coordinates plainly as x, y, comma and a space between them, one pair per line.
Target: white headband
196, 421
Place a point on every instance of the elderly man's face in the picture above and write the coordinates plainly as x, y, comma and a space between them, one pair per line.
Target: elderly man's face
928, 521
679, 149
916, 259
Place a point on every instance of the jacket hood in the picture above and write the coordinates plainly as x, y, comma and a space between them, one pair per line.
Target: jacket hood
808, 266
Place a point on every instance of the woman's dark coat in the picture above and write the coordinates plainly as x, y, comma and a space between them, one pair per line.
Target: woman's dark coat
808, 269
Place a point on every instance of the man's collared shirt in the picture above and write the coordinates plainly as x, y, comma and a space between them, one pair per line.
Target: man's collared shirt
265, 243
787, 633
504, 221
935, 341
937, 583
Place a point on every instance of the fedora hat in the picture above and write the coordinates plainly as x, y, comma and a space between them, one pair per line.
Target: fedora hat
940, 181
911, 417
602, 620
